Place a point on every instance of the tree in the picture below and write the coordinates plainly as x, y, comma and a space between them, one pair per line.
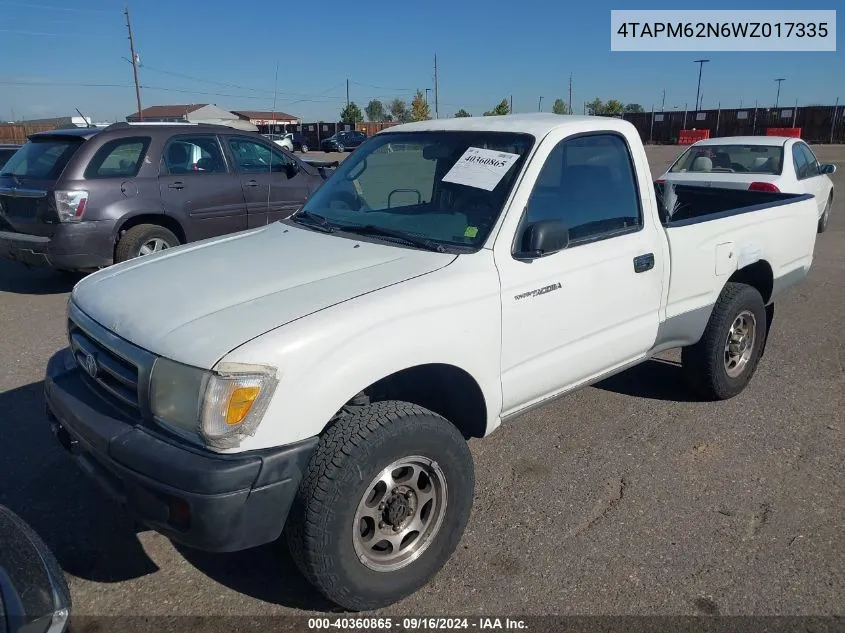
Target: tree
634, 107
419, 108
595, 107
351, 114
375, 111
461, 113
502, 108
399, 111
613, 108
560, 107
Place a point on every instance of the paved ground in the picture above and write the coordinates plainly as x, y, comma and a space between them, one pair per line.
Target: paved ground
626, 498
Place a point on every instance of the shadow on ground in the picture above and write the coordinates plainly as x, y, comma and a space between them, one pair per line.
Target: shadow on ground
19, 279
94, 538
655, 379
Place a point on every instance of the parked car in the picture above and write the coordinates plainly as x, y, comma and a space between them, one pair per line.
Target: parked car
6, 151
34, 596
322, 383
83, 199
756, 163
300, 143
282, 140
342, 141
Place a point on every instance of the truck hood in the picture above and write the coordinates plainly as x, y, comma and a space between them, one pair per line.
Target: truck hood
197, 302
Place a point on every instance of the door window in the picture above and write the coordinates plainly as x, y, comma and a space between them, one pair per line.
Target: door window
812, 162
253, 157
588, 184
799, 159
199, 154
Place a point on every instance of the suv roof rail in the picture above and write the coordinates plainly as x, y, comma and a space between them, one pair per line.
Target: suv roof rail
125, 124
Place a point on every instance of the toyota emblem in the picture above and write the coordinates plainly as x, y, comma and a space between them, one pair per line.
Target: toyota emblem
89, 363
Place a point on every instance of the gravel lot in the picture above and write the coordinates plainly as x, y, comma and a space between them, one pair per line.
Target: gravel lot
629, 497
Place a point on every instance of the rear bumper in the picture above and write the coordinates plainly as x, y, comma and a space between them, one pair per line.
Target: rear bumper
208, 501
81, 246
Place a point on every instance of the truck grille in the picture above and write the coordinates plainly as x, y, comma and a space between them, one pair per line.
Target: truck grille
111, 366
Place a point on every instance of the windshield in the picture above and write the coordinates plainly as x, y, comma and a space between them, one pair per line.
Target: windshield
731, 159
448, 187
43, 159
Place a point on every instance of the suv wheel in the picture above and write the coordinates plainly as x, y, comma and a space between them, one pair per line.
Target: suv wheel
144, 239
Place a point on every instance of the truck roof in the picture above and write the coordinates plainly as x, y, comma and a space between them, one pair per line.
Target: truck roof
538, 123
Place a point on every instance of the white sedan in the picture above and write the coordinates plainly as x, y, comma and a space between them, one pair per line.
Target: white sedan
756, 163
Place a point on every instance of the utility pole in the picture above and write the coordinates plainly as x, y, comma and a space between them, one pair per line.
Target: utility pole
347, 93
700, 63
510, 109
540, 105
777, 99
663, 103
134, 63
436, 100
570, 93
833, 122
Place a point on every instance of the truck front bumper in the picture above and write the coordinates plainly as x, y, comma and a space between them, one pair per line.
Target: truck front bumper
205, 500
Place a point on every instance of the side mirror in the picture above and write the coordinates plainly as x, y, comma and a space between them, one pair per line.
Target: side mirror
828, 169
291, 169
543, 238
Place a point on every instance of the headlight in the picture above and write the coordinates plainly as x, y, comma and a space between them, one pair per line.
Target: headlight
223, 406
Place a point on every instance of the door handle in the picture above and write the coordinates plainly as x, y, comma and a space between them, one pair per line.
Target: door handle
176, 185
252, 183
643, 263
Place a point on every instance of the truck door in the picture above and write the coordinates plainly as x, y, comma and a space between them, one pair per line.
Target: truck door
594, 305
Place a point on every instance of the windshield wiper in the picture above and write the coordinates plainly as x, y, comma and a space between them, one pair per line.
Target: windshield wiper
314, 221
370, 229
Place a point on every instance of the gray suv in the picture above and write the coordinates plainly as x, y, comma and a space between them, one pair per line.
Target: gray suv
85, 198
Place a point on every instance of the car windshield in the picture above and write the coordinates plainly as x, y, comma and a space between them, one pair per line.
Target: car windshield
42, 158
731, 159
446, 187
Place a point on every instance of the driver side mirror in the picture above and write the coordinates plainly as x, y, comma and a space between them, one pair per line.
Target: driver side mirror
828, 169
542, 238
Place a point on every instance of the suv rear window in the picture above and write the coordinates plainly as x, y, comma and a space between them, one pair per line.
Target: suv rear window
120, 158
42, 158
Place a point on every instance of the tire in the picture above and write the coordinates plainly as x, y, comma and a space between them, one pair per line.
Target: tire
825, 215
341, 148
331, 504
303, 149
707, 366
131, 243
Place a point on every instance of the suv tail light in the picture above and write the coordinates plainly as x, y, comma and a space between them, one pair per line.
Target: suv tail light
70, 205
763, 186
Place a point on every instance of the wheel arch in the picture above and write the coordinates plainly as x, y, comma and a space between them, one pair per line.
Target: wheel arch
167, 221
758, 275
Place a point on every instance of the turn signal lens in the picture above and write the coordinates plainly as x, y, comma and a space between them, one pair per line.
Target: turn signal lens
240, 403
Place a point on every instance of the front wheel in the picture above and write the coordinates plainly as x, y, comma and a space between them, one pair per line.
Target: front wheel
303, 149
382, 505
825, 215
722, 363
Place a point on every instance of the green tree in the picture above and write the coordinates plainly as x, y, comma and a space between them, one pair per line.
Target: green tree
419, 108
634, 107
399, 111
461, 113
500, 109
560, 107
375, 111
595, 107
351, 114
613, 108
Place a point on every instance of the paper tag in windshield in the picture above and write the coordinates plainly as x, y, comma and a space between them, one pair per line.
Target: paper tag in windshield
481, 168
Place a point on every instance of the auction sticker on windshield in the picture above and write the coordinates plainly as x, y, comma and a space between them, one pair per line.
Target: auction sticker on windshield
481, 168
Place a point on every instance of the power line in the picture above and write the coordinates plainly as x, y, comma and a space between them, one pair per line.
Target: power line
31, 5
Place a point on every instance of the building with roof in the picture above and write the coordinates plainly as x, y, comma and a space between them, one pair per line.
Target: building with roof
268, 122
192, 113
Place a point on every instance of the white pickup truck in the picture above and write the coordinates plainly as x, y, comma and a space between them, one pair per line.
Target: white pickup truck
315, 381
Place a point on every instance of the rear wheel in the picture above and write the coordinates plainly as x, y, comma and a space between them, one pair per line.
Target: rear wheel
341, 148
303, 148
382, 505
722, 363
144, 239
825, 215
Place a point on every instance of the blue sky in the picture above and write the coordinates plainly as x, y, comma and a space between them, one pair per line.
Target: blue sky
486, 50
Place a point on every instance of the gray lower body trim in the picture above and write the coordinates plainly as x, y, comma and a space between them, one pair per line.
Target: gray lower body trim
788, 280
681, 330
